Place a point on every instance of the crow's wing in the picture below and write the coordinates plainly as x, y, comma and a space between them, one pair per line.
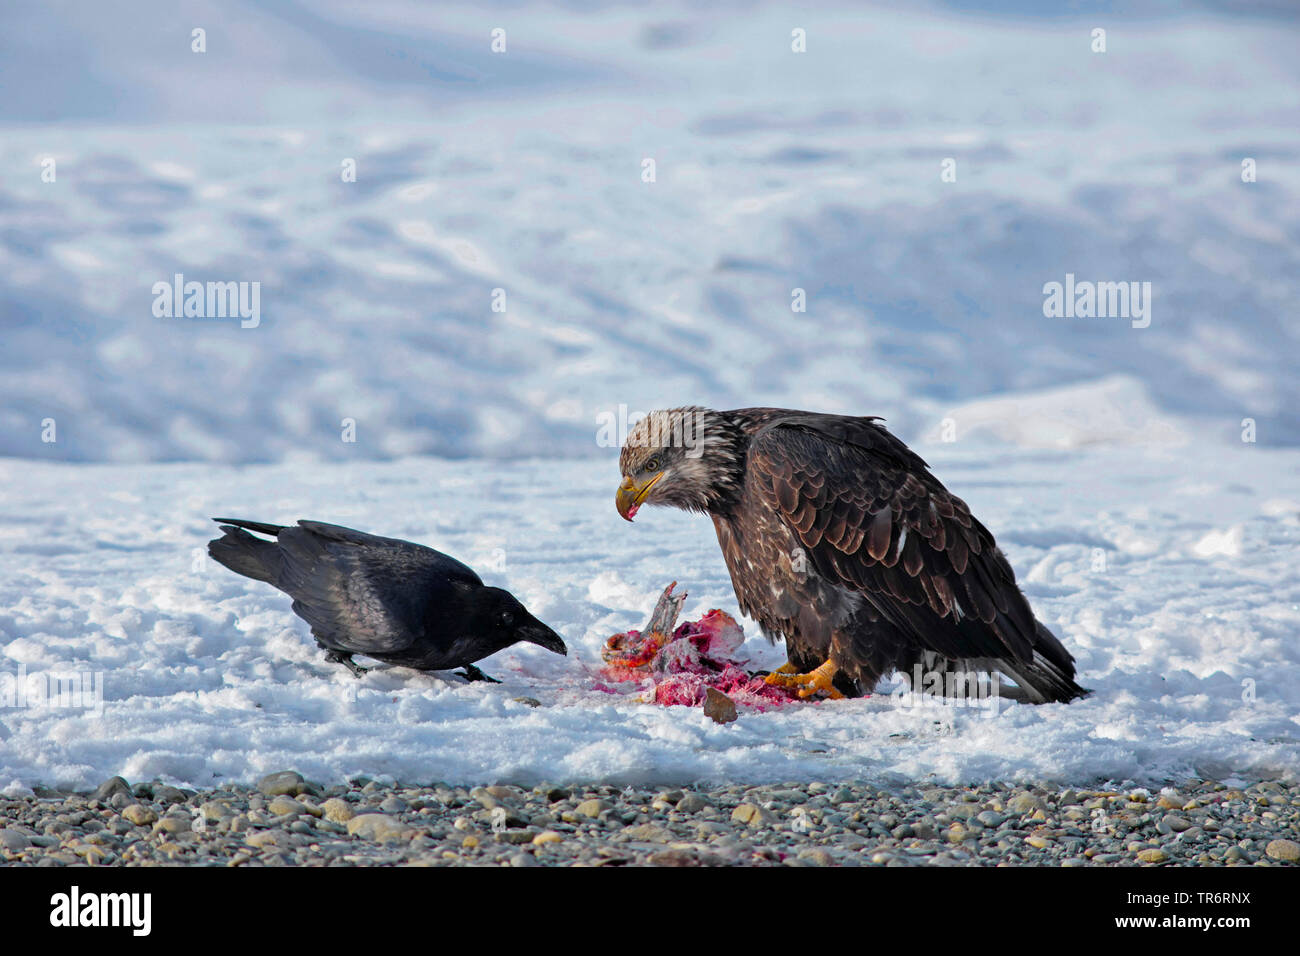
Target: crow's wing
362, 593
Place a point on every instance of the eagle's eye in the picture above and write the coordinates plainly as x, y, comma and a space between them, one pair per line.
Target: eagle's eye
653, 464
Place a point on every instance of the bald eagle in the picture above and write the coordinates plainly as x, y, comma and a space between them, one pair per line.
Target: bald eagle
840, 540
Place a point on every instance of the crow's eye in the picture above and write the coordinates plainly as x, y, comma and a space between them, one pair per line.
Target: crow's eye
505, 619
652, 464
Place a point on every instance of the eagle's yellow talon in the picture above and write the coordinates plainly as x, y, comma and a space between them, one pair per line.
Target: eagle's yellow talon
778, 677
814, 682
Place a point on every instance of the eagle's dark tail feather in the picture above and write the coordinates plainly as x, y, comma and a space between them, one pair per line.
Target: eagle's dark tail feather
1049, 676
244, 554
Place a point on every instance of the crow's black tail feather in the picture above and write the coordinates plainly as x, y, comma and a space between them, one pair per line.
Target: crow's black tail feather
244, 554
259, 526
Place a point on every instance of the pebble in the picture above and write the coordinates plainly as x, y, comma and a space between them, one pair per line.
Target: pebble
285, 805
718, 707
751, 815
649, 832
817, 857
214, 810
111, 788
15, 841
1287, 851
691, 803
1025, 803
169, 795
337, 810
363, 823
591, 808
139, 814
379, 827
170, 824
263, 838
287, 783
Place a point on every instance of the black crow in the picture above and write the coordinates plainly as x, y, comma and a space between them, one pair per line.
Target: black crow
392, 600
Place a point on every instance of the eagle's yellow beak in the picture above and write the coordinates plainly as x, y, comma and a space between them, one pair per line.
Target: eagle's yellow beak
629, 496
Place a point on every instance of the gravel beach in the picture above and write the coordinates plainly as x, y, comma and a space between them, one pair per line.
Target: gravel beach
288, 821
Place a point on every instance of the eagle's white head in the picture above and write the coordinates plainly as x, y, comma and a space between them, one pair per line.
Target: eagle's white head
690, 457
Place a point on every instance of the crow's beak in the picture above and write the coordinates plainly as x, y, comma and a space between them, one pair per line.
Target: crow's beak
629, 496
541, 635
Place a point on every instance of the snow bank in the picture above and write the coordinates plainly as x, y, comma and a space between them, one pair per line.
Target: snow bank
775, 172
1114, 411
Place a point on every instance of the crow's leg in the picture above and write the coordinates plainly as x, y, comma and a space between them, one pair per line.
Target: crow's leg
472, 673
337, 657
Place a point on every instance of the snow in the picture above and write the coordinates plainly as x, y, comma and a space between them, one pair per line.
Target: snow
1116, 411
208, 677
1144, 481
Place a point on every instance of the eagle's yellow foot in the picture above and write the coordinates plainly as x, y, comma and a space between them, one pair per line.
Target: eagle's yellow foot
815, 681
783, 676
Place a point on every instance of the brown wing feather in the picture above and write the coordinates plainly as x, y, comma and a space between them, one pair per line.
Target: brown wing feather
853, 493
